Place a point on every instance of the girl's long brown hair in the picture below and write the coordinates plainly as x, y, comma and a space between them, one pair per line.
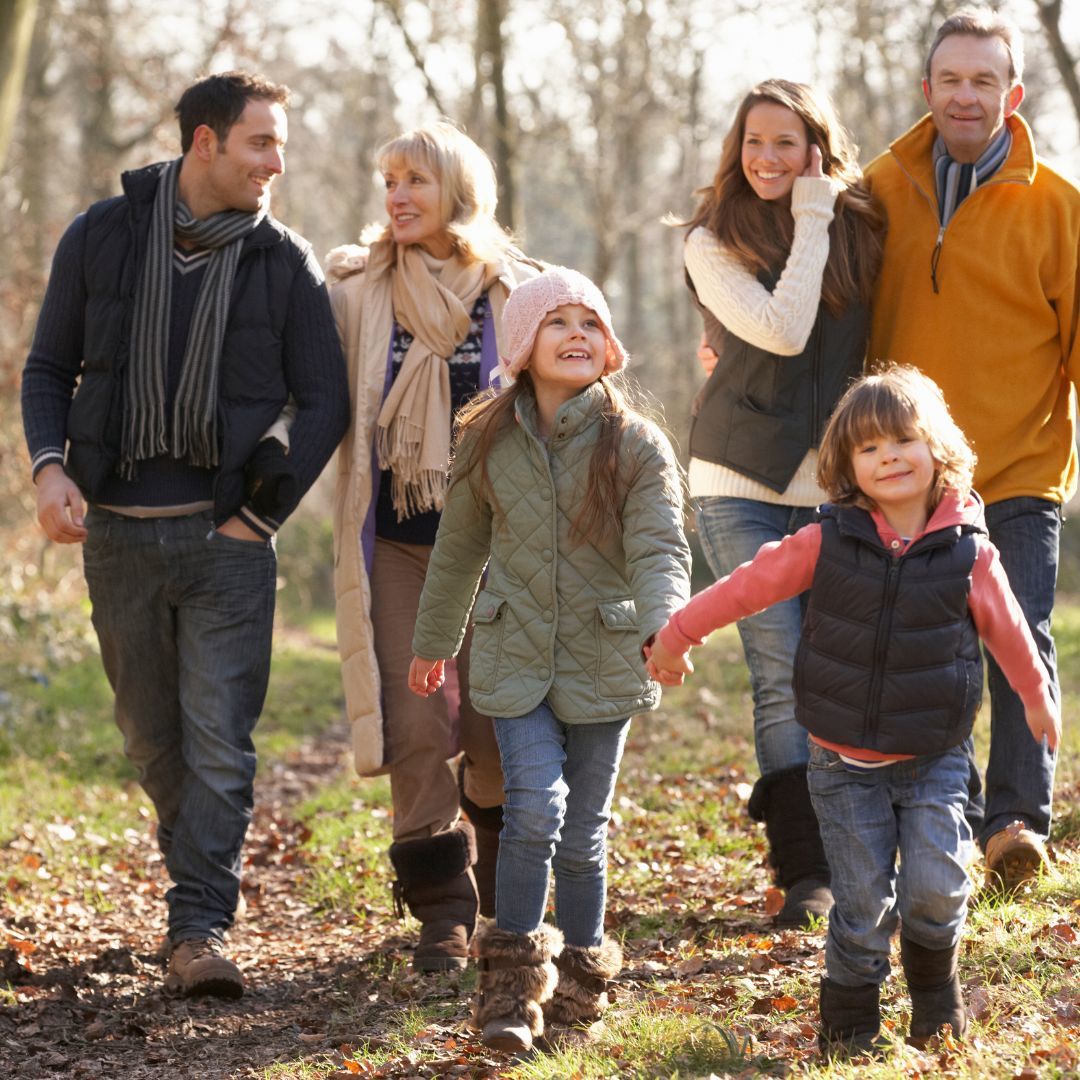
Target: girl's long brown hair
759, 231
480, 423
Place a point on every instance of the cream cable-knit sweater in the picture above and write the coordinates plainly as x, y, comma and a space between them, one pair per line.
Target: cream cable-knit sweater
779, 321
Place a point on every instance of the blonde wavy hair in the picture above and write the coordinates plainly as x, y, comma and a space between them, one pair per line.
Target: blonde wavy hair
467, 179
896, 400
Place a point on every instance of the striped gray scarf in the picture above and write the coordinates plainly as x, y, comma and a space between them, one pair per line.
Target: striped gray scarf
194, 420
956, 181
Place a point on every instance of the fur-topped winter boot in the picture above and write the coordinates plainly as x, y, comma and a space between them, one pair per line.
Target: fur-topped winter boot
435, 880
934, 985
782, 801
516, 977
585, 972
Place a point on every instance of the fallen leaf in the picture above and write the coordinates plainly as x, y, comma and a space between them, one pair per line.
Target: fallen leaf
774, 900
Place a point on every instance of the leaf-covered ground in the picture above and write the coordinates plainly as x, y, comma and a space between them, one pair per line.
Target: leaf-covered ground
708, 988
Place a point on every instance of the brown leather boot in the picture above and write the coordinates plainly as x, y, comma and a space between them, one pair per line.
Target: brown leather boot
435, 880
198, 966
516, 977
585, 971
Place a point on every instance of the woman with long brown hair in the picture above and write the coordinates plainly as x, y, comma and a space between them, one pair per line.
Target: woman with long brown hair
781, 256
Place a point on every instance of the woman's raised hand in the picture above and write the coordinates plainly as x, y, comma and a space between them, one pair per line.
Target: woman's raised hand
813, 164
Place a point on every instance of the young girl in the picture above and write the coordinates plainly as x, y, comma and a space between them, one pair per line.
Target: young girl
781, 255
888, 679
573, 503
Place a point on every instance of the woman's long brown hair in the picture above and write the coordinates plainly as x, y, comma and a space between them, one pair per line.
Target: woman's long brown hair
759, 231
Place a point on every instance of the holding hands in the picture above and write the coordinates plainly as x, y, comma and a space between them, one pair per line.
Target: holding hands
666, 667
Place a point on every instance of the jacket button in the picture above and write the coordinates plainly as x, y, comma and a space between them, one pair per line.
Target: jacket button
544, 673
548, 616
895, 544
546, 555
545, 493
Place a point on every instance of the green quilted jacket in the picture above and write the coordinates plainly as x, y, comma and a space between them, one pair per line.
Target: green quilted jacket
558, 618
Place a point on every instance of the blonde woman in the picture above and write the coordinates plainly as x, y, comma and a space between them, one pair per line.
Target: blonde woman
418, 313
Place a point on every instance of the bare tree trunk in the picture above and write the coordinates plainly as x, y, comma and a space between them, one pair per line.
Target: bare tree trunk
491, 53
16, 30
394, 8
1050, 17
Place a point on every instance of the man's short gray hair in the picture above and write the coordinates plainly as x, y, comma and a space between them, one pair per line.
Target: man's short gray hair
984, 24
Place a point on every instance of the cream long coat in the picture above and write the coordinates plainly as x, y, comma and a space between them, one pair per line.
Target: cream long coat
365, 322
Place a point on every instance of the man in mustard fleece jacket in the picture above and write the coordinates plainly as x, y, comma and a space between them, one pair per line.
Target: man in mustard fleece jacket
979, 289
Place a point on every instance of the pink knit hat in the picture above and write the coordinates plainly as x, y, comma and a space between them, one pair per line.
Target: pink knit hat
533, 299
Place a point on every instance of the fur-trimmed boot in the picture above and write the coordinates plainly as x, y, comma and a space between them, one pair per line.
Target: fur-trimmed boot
782, 801
516, 977
435, 880
934, 984
585, 972
850, 1019
487, 821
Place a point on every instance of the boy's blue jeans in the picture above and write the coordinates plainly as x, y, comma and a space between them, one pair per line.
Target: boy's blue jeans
559, 783
914, 809
184, 616
731, 531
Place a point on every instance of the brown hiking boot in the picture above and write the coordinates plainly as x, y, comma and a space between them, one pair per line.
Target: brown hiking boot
199, 966
1014, 855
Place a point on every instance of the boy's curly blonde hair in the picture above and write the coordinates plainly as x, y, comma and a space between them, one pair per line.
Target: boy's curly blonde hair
895, 400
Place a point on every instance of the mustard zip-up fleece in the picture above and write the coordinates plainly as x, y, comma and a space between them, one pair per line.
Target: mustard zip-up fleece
1000, 334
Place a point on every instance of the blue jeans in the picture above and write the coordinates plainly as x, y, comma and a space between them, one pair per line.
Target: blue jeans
560, 779
731, 532
1020, 773
184, 617
911, 808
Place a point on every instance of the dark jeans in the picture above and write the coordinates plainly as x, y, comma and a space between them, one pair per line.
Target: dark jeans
184, 616
1020, 773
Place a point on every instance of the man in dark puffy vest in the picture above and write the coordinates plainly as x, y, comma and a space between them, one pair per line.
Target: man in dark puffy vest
186, 381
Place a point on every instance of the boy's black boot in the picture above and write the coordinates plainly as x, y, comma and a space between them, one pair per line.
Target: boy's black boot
934, 985
782, 801
850, 1019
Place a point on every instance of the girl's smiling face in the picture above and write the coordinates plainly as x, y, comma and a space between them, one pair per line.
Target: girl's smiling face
570, 350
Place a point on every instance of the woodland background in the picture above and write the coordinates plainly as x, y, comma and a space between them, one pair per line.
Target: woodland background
602, 116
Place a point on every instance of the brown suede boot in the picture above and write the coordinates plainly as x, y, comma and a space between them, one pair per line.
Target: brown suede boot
584, 975
782, 801
435, 880
516, 978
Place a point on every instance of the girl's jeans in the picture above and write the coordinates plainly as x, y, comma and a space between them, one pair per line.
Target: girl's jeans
912, 808
560, 780
731, 532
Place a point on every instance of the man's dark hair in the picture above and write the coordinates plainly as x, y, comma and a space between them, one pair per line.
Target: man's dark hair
219, 101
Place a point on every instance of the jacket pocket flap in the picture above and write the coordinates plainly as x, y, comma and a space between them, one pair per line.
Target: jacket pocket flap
618, 614
488, 607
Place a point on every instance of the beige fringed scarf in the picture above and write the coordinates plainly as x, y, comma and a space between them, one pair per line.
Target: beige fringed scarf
433, 300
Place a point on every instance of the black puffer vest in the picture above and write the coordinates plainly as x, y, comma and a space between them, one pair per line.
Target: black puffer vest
760, 412
252, 390
889, 656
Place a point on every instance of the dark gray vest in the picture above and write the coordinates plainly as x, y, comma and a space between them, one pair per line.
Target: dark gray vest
759, 412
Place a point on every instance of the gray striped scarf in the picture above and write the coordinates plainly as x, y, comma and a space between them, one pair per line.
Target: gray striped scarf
956, 180
194, 436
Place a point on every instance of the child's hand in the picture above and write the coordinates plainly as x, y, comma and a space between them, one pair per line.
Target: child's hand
1045, 720
666, 667
426, 676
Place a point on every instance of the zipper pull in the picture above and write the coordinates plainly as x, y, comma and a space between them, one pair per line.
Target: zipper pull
935, 258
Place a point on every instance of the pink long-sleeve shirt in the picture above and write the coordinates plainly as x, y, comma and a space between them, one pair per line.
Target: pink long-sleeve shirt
785, 568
